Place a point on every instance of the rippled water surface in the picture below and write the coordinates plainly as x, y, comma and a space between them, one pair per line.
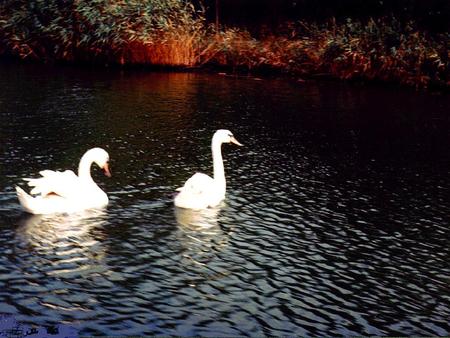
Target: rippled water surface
336, 220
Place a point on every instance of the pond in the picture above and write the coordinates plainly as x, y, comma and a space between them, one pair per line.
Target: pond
336, 220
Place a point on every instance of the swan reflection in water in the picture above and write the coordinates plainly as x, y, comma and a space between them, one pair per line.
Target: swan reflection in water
200, 233
197, 219
64, 234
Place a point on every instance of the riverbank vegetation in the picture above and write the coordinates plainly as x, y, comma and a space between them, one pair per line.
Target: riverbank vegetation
175, 33
125, 32
377, 50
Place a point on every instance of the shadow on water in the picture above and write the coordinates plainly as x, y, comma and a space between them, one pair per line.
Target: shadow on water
336, 220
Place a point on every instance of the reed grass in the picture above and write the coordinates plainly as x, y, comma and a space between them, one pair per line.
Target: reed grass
379, 50
173, 33
161, 32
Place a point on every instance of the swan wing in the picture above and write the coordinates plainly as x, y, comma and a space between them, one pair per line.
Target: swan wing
65, 184
196, 192
198, 184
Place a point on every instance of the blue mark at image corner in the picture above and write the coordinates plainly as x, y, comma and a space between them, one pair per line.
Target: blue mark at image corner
11, 328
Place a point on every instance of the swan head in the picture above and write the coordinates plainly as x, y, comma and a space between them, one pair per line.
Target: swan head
101, 158
225, 136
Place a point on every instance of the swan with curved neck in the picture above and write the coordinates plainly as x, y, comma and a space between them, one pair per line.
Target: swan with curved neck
201, 191
65, 192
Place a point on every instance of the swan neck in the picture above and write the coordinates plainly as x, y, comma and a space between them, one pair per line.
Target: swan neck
84, 168
219, 171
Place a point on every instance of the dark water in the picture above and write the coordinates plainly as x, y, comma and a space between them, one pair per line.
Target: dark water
336, 220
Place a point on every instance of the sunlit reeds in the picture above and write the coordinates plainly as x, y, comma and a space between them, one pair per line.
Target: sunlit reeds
154, 31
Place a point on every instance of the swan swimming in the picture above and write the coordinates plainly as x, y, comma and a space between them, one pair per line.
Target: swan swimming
201, 191
65, 192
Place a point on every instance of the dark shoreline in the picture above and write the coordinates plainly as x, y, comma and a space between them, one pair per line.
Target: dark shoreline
256, 74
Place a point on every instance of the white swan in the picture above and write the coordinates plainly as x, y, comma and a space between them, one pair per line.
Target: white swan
65, 192
202, 191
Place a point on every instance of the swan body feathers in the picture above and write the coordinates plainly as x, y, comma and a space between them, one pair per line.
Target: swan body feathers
66, 192
202, 191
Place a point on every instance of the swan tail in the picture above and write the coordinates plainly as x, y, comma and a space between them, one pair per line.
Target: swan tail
40, 185
54, 182
26, 201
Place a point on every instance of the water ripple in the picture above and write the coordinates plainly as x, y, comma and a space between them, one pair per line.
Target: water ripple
322, 232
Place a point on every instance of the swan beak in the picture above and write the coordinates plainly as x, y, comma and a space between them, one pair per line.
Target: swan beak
236, 142
106, 170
